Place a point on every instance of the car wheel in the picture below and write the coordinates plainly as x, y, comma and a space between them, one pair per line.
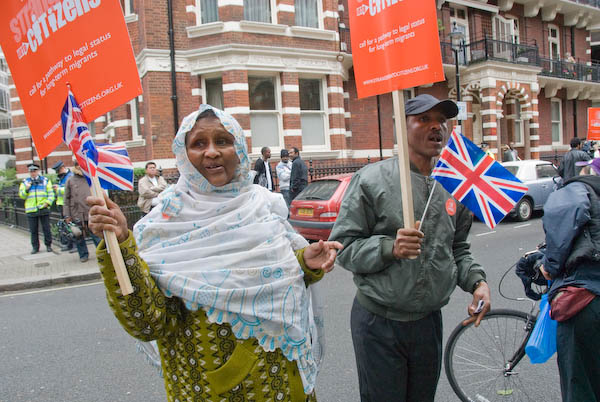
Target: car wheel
524, 210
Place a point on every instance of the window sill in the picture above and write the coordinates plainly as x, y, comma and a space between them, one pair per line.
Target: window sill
313, 33
205, 29
131, 18
263, 28
135, 143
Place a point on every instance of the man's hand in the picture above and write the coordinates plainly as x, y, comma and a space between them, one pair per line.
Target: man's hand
408, 242
106, 215
545, 273
481, 293
27, 185
322, 255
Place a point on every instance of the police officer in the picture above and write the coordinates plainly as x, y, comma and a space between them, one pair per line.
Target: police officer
38, 194
63, 174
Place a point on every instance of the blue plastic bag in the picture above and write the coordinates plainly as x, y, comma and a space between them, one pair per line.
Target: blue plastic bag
542, 342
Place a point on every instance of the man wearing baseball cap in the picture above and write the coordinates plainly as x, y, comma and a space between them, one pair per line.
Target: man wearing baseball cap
38, 194
404, 275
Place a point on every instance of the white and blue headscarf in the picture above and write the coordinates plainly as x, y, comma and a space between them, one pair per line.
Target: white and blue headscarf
230, 251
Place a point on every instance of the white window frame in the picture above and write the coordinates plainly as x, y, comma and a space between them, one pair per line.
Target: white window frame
324, 111
552, 40
135, 120
320, 23
198, 12
278, 111
560, 121
274, 19
517, 119
203, 92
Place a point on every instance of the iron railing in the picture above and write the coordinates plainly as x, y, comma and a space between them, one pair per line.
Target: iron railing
572, 71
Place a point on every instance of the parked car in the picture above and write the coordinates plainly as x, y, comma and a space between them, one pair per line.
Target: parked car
539, 177
314, 211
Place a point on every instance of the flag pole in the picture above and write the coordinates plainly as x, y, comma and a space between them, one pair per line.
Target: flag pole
112, 244
408, 213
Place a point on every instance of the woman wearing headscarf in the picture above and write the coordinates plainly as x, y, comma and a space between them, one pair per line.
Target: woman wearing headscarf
220, 277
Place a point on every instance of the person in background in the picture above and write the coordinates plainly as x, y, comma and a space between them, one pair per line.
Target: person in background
38, 194
405, 275
510, 154
572, 226
567, 168
149, 187
76, 210
284, 173
264, 174
486, 148
63, 174
299, 176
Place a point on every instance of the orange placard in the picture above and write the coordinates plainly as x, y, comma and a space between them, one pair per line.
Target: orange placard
395, 45
49, 43
593, 123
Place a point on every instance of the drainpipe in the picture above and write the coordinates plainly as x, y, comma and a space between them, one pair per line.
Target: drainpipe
575, 118
173, 74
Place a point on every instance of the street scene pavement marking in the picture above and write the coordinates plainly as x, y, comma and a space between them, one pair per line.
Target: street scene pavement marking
486, 233
50, 290
522, 226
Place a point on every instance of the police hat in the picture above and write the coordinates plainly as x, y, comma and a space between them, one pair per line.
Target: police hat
423, 103
58, 165
33, 167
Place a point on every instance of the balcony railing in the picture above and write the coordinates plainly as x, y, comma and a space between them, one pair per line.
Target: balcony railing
492, 49
592, 3
572, 71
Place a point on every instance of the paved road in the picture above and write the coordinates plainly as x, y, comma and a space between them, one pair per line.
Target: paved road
63, 344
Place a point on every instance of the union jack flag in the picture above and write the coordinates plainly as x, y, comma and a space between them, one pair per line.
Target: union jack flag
477, 180
110, 162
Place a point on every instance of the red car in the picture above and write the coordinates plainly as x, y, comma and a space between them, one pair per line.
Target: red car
314, 210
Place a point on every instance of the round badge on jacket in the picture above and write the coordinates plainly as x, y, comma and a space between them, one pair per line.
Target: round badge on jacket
451, 206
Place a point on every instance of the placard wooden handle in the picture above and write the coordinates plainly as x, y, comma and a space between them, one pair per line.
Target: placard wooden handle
113, 248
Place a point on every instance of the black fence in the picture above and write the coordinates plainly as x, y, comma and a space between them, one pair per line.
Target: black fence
12, 207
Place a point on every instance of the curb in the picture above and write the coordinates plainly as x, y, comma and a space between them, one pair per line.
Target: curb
49, 280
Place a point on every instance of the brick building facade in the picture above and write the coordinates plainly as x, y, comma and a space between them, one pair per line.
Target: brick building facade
283, 68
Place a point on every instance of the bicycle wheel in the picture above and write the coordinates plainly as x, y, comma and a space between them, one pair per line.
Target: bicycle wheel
476, 362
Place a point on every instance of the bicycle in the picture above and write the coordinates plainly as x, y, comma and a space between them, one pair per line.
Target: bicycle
488, 363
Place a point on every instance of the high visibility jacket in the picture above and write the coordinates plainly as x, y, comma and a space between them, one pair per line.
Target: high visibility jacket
60, 191
39, 196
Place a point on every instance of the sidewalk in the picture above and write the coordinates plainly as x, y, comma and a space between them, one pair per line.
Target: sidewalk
21, 270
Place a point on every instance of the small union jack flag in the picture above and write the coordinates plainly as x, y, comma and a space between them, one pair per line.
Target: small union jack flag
477, 180
110, 162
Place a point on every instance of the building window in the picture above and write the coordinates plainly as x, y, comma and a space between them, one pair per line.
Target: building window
4, 100
554, 42
312, 115
518, 125
264, 113
556, 107
307, 13
3, 66
4, 122
134, 111
127, 6
209, 11
214, 92
7, 146
257, 10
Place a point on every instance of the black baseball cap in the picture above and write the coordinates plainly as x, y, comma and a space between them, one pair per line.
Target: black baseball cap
58, 165
425, 102
284, 152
